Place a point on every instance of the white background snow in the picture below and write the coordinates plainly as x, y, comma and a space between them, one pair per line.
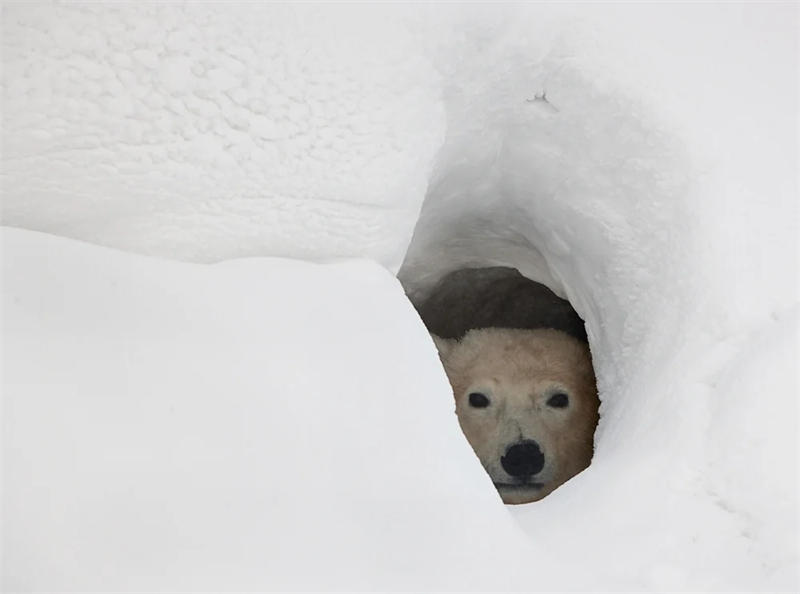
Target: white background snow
279, 420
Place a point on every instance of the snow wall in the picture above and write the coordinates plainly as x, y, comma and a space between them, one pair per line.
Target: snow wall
640, 160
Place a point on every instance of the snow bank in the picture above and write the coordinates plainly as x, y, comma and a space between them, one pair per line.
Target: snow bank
259, 424
639, 159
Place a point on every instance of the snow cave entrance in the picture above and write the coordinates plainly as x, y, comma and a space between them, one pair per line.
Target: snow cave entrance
577, 193
519, 364
475, 259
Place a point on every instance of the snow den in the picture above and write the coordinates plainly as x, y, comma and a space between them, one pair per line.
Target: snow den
239, 396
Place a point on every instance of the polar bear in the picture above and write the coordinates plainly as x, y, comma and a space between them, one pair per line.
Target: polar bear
518, 360
527, 402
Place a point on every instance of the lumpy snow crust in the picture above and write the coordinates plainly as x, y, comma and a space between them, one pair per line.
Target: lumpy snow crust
274, 424
206, 132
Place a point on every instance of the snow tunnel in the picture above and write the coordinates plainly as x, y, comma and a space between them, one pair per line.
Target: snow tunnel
563, 175
206, 405
591, 175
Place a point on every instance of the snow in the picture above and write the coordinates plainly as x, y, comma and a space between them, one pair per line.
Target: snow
641, 160
246, 125
171, 426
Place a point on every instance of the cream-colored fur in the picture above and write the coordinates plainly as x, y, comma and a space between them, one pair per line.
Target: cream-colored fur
519, 371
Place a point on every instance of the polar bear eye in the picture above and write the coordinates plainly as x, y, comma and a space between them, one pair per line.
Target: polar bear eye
478, 400
558, 400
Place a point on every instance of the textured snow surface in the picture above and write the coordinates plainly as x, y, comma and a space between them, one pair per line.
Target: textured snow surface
210, 131
639, 159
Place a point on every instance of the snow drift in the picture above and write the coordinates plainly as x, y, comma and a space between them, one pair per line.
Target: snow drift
640, 160
183, 427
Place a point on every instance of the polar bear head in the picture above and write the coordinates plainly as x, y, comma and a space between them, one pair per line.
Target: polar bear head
527, 403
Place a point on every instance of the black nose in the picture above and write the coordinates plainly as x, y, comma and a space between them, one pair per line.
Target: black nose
523, 459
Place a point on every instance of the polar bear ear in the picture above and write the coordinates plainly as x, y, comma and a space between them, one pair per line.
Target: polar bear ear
444, 345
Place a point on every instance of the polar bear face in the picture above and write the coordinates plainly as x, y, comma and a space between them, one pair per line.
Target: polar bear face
527, 402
